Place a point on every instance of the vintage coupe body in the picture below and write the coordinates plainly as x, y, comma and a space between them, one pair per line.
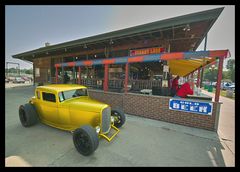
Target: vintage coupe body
69, 107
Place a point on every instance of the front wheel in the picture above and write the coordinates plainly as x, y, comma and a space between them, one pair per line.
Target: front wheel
85, 140
28, 115
119, 117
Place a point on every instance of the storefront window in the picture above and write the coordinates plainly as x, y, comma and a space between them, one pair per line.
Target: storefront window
37, 72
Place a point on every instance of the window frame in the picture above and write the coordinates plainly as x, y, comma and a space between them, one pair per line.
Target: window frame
62, 95
38, 94
50, 101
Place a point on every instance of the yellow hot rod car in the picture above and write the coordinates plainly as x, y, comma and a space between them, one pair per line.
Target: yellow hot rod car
69, 107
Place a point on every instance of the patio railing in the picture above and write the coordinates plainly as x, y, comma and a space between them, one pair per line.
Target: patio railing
118, 84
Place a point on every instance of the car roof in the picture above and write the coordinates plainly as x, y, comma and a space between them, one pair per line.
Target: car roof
61, 87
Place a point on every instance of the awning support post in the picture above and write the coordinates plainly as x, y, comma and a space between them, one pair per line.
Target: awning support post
56, 75
198, 77
126, 78
74, 75
62, 75
192, 84
105, 85
219, 78
79, 75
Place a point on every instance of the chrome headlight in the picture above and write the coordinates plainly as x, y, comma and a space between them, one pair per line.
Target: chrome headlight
98, 129
112, 119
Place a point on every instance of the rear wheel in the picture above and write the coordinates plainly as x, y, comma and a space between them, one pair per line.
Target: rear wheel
85, 140
119, 117
28, 115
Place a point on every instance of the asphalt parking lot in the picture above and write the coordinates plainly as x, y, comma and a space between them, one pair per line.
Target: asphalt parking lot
141, 142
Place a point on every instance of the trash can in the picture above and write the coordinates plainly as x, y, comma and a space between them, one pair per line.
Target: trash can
205, 87
210, 88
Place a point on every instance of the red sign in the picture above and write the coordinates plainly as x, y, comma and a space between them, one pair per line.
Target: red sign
154, 50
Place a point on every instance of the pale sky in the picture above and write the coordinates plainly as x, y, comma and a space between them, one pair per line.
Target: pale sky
29, 27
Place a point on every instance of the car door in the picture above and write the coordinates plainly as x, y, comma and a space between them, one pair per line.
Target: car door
48, 106
64, 117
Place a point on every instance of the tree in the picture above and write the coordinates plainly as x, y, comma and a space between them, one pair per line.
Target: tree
230, 64
231, 67
225, 75
232, 74
211, 74
29, 71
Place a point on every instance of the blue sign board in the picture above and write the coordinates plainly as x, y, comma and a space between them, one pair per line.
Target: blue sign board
204, 108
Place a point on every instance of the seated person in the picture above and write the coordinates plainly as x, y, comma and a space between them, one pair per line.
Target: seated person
175, 86
184, 90
80, 92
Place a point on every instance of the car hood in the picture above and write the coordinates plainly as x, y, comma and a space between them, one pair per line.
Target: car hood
85, 104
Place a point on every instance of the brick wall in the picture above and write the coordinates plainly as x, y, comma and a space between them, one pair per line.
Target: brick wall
113, 99
155, 107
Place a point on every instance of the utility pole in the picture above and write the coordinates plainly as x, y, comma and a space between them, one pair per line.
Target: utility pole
205, 47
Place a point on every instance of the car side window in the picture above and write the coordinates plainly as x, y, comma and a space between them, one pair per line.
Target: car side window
38, 94
61, 96
48, 97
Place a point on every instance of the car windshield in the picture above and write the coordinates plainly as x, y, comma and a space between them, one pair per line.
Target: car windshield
65, 95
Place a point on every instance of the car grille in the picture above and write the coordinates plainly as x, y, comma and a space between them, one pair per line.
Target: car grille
106, 120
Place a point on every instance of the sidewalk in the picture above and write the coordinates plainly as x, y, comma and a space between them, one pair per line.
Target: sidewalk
12, 85
226, 127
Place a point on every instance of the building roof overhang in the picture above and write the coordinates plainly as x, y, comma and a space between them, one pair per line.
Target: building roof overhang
184, 33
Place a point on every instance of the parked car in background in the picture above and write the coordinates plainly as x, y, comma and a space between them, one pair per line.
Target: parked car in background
231, 87
11, 78
6, 80
18, 80
225, 85
25, 78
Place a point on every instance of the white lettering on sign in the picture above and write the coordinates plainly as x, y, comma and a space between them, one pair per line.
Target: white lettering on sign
175, 105
153, 50
191, 106
203, 109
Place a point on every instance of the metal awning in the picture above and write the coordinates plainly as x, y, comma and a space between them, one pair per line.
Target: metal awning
180, 63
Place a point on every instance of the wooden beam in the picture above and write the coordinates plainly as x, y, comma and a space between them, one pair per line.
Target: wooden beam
219, 78
56, 75
126, 78
79, 75
116, 48
105, 84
